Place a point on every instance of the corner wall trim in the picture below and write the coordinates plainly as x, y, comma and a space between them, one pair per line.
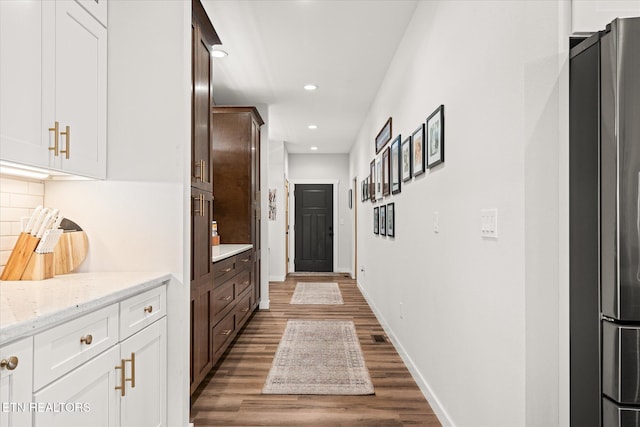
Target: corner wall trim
424, 387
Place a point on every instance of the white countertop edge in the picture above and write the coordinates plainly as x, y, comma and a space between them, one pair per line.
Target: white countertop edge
220, 252
39, 323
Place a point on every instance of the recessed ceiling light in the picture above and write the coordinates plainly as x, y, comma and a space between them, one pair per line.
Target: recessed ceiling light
314, 148
313, 126
217, 52
310, 86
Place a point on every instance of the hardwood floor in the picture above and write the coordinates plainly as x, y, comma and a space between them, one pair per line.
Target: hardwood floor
231, 393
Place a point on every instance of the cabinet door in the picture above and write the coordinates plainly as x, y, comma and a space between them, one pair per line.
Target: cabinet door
97, 9
145, 400
81, 90
15, 382
201, 348
91, 391
26, 55
201, 216
201, 175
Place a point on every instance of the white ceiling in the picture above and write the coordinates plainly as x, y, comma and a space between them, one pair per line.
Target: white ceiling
277, 46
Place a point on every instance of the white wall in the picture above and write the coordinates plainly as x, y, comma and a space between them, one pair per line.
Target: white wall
138, 219
328, 167
277, 227
476, 320
589, 16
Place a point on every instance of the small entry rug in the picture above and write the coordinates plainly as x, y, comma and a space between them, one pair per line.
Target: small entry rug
317, 293
319, 357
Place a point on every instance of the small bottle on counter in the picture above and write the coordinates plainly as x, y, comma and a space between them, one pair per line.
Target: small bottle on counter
215, 239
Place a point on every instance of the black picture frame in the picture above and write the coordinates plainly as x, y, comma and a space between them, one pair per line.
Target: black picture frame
417, 150
383, 220
376, 220
383, 136
406, 160
386, 177
391, 219
435, 137
396, 163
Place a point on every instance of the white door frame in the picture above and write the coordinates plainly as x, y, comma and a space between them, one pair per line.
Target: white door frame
292, 218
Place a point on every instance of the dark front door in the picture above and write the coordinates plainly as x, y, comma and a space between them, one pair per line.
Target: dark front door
314, 227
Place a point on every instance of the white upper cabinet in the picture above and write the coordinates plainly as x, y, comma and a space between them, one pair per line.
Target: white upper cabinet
81, 91
589, 16
53, 75
23, 128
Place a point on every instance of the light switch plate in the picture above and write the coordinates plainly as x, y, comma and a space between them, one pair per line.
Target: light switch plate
436, 222
489, 223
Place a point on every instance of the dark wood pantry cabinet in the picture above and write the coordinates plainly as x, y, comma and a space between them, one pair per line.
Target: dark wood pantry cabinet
204, 37
236, 173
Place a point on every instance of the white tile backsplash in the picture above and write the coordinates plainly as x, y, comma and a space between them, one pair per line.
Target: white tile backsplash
18, 198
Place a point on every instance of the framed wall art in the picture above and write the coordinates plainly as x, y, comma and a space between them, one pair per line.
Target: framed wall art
376, 220
417, 157
385, 172
372, 181
407, 162
383, 136
391, 220
383, 220
396, 165
378, 194
435, 137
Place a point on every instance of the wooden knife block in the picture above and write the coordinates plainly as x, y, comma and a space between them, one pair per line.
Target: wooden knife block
40, 267
20, 256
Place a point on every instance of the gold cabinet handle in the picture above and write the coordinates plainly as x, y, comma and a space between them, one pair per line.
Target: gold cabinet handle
132, 380
67, 149
245, 283
148, 309
203, 202
87, 339
228, 298
245, 260
244, 310
10, 363
203, 167
56, 141
226, 270
226, 332
200, 209
123, 378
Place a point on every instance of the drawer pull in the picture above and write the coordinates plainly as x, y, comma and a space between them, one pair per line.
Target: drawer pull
87, 339
10, 364
123, 378
245, 260
244, 310
132, 380
226, 298
245, 283
226, 332
56, 135
226, 270
148, 309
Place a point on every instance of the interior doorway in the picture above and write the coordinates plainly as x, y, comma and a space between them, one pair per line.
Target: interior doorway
286, 227
314, 229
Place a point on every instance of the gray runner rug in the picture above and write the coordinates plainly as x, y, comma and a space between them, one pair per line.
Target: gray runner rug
317, 293
319, 357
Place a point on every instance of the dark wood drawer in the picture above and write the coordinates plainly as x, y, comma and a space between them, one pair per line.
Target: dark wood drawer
222, 332
244, 261
223, 269
223, 296
243, 308
243, 281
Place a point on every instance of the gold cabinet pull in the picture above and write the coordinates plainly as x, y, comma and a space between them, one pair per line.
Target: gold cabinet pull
56, 141
244, 310
226, 270
67, 149
10, 363
202, 201
226, 298
122, 378
87, 339
226, 332
245, 283
148, 309
245, 260
132, 380
200, 209
203, 168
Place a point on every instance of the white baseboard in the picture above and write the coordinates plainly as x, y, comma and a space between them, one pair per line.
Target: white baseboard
281, 278
424, 387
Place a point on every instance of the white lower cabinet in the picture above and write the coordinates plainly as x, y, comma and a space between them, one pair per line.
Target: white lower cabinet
16, 375
79, 382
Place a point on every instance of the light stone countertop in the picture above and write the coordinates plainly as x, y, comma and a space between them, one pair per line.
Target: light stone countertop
220, 252
27, 307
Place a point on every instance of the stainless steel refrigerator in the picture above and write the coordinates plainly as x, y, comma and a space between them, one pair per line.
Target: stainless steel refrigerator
605, 227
